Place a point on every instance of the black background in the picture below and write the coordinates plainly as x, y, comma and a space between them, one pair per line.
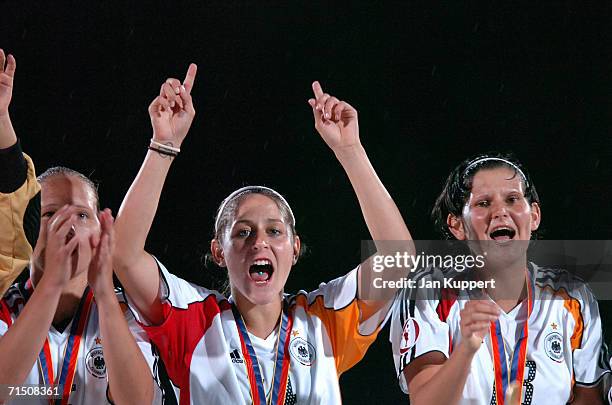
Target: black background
434, 82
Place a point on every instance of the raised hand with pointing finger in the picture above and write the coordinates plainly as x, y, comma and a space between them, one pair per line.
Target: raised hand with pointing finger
337, 123
171, 114
335, 120
172, 111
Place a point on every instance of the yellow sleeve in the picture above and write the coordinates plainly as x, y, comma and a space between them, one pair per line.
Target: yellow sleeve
15, 250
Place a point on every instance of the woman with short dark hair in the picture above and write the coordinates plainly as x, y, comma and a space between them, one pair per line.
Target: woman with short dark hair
533, 336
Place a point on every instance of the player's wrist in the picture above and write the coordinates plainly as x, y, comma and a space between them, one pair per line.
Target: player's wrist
52, 282
104, 294
469, 346
164, 148
7, 133
5, 120
346, 154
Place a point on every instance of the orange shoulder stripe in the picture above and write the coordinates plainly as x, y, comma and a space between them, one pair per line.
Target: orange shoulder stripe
573, 307
342, 327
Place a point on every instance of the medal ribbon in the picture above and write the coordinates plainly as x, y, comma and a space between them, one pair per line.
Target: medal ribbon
71, 351
281, 366
505, 374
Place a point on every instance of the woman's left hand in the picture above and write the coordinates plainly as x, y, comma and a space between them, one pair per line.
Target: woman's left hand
335, 120
100, 274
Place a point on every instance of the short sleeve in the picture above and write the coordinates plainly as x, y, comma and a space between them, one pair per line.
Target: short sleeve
336, 304
189, 311
13, 168
587, 342
416, 329
174, 292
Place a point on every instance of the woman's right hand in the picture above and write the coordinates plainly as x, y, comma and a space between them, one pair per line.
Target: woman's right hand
476, 317
172, 111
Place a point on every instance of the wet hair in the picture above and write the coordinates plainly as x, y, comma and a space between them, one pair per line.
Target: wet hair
64, 171
227, 208
458, 186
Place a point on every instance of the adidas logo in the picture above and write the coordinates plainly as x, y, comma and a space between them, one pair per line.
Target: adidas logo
235, 355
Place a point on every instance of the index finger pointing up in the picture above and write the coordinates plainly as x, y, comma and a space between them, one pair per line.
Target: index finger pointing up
316, 88
190, 77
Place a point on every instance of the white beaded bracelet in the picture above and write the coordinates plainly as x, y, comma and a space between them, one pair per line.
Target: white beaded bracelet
167, 147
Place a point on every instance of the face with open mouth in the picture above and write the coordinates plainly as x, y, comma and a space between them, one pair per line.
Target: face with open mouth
496, 209
258, 250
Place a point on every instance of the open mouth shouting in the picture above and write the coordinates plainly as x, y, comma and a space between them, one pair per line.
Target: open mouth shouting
502, 233
261, 271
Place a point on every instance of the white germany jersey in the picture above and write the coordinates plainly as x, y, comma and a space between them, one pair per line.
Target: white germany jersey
564, 341
200, 345
90, 379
